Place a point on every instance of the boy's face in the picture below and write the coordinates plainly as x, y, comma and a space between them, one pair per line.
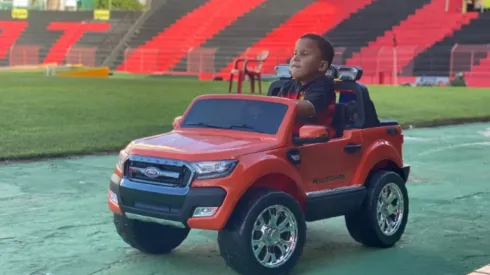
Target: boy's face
307, 62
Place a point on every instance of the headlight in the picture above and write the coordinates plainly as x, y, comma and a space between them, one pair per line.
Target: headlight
123, 156
214, 169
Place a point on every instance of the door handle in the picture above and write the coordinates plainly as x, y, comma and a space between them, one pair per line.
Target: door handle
352, 148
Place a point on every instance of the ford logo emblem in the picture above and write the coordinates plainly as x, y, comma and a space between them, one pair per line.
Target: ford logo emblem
151, 172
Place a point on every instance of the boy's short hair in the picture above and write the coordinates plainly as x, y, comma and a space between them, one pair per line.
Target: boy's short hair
326, 48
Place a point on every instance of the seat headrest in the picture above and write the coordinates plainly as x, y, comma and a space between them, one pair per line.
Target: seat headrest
350, 73
345, 73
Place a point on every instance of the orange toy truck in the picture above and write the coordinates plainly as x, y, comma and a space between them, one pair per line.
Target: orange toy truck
233, 164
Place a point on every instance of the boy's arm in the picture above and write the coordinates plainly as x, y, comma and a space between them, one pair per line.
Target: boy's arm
305, 108
319, 97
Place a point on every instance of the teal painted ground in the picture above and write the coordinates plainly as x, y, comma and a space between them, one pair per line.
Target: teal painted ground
55, 219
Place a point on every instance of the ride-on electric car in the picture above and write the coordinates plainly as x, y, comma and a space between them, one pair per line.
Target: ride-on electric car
232, 164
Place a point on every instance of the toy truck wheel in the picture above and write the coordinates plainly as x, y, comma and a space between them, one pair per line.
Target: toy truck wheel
265, 235
148, 237
381, 220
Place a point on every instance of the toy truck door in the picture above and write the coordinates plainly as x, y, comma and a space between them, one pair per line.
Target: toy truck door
330, 165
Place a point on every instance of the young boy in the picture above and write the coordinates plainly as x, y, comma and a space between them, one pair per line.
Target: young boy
313, 90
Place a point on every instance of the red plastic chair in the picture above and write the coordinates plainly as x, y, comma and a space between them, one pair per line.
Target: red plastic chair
252, 73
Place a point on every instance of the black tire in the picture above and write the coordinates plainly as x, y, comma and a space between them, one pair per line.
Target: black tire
235, 239
363, 224
148, 237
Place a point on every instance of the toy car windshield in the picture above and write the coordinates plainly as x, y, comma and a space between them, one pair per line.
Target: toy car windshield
236, 114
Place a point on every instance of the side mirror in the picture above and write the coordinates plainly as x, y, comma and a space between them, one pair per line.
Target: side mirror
311, 134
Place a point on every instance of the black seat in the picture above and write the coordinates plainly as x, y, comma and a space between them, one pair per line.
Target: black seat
367, 116
338, 121
351, 112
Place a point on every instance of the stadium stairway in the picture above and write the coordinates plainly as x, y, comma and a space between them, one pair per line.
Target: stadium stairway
318, 17
419, 31
106, 42
162, 17
247, 30
363, 26
189, 31
436, 61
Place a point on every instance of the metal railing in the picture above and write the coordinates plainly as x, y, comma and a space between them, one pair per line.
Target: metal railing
464, 57
24, 55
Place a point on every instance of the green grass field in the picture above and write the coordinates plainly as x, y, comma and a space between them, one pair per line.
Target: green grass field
50, 116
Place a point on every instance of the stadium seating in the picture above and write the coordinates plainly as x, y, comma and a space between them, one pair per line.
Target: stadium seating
9, 33
479, 74
366, 25
52, 36
72, 32
172, 35
319, 17
419, 31
247, 30
436, 60
161, 17
189, 31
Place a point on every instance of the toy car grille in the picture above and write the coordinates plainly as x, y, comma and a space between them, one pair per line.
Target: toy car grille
160, 174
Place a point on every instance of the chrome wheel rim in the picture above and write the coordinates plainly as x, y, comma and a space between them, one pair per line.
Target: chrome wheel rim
390, 209
274, 236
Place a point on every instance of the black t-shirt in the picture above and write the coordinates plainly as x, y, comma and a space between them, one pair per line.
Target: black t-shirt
320, 92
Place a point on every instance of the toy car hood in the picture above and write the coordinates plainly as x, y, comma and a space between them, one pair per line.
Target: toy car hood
200, 146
